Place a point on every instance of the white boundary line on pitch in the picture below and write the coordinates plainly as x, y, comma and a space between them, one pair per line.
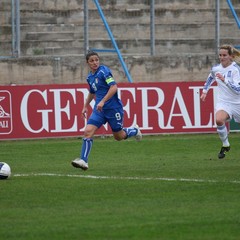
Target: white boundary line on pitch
125, 178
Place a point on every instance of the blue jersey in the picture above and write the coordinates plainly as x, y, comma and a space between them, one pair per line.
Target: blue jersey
99, 84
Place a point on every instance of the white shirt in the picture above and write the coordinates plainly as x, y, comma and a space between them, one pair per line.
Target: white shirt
229, 90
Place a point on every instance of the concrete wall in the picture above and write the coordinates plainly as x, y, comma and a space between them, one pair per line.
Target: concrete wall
46, 70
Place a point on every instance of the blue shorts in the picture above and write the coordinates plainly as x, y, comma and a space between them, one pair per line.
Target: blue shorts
114, 117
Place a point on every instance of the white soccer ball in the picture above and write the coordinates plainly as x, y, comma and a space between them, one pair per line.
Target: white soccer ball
5, 170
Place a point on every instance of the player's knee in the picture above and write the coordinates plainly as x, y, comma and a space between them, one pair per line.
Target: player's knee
119, 135
118, 138
220, 122
88, 132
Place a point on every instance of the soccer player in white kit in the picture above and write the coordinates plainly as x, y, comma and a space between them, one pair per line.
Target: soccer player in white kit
227, 76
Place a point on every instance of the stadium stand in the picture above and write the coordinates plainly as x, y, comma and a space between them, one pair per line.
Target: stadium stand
52, 39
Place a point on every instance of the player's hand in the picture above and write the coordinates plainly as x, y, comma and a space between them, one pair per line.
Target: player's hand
220, 76
100, 106
203, 96
84, 113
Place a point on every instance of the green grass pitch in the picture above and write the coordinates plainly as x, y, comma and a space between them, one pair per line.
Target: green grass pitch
165, 187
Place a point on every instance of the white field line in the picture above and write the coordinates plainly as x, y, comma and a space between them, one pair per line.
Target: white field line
126, 178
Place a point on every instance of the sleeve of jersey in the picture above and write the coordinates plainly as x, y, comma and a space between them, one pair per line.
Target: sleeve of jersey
235, 84
208, 83
110, 80
91, 90
108, 77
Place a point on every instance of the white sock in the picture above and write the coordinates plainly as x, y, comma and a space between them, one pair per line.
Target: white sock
223, 135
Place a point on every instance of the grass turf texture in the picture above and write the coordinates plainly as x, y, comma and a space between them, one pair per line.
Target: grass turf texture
164, 187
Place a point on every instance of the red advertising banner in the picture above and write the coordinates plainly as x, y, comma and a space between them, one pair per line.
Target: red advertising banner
45, 111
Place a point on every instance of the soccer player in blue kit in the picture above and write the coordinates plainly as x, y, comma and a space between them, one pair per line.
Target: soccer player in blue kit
108, 108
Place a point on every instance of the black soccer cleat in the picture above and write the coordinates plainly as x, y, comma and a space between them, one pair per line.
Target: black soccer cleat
223, 151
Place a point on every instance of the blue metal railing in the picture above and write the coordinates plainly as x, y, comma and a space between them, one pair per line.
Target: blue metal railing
234, 12
235, 16
15, 23
116, 49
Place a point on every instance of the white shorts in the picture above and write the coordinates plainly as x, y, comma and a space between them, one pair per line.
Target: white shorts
233, 110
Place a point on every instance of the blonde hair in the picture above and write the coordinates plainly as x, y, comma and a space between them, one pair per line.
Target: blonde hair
232, 51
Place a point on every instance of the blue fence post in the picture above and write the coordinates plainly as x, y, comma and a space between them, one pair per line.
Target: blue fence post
234, 12
113, 42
